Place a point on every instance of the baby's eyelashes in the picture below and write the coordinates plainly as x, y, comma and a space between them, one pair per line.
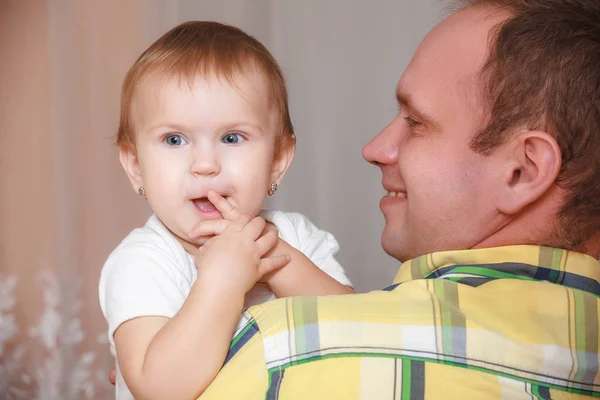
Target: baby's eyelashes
232, 138
175, 140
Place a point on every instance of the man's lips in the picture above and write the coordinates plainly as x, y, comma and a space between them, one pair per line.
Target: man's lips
394, 190
393, 198
396, 194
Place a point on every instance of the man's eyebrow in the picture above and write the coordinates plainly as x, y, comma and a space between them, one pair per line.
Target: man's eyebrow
405, 101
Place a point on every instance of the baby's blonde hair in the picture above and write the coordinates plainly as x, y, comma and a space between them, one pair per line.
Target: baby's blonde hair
205, 49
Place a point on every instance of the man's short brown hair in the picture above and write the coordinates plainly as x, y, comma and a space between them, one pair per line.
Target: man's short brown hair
204, 49
543, 73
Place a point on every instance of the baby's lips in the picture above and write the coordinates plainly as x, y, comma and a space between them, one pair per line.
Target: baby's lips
205, 205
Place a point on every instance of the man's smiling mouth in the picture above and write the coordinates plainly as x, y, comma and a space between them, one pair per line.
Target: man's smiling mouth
396, 194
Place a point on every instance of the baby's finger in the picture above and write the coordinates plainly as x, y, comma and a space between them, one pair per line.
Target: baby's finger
227, 210
239, 223
255, 227
202, 240
206, 244
270, 227
270, 264
209, 227
267, 241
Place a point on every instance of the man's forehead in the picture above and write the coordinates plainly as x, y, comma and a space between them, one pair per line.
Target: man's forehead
450, 58
461, 42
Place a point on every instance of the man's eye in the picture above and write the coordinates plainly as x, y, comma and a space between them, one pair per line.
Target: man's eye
411, 122
175, 140
232, 138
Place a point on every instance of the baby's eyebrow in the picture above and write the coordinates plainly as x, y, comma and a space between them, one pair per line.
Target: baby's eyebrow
226, 127
167, 126
242, 125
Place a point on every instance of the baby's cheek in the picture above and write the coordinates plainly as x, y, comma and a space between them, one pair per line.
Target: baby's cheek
252, 185
257, 205
249, 201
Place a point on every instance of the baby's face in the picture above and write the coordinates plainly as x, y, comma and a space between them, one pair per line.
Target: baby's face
208, 135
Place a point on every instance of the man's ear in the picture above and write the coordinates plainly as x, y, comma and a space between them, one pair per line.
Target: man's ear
131, 165
283, 158
531, 165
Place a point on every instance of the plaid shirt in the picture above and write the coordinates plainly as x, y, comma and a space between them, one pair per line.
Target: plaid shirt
502, 323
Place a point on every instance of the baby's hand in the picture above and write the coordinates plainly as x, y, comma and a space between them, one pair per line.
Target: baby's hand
208, 229
235, 259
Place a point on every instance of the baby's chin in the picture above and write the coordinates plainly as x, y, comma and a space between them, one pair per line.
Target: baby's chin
188, 245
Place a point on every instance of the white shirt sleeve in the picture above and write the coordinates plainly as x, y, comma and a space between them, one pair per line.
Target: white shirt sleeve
318, 245
137, 281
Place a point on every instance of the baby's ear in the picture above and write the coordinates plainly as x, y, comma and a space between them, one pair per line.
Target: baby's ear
131, 165
284, 154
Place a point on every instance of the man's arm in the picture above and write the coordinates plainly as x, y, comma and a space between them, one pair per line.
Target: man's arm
245, 376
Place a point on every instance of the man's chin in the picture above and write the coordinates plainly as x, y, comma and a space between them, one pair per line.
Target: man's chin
395, 247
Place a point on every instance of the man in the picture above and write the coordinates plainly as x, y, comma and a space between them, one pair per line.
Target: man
496, 149
492, 169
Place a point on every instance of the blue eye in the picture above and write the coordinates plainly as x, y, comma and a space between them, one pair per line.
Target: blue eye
232, 138
175, 140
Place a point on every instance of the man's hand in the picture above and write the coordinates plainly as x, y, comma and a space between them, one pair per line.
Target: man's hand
236, 259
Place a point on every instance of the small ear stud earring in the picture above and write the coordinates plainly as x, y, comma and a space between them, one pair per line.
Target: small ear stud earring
142, 192
273, 189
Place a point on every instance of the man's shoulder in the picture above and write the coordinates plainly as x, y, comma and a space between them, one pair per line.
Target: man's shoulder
507, 327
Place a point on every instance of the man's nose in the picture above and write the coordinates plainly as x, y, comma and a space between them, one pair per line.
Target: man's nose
383, 148
205, 162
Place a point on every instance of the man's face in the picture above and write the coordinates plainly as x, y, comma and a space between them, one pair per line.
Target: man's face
440, 194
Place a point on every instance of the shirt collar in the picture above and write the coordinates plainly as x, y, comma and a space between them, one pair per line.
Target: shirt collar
525, 262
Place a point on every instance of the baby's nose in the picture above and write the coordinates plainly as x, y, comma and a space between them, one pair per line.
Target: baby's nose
205, 163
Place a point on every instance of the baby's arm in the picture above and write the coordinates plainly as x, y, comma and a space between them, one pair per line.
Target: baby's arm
301, 277
164, 358
178, 358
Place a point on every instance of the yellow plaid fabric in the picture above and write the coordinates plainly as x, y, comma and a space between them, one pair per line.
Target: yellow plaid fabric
517, 322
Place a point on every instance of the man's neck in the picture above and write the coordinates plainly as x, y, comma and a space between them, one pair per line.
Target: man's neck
593, 247
533, 234
533, 225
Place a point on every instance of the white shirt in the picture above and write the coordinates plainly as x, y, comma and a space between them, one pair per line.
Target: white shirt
150, 273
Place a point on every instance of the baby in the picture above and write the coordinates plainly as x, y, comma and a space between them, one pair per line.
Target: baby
204, 136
